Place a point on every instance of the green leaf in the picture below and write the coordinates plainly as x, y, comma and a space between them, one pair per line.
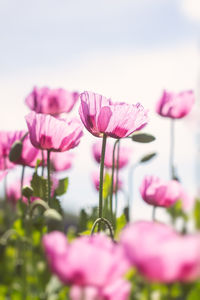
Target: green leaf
18, 226
55, 203
196, 214
40, 186
120, 223
62, 187
148, 157
143, 138
106, 185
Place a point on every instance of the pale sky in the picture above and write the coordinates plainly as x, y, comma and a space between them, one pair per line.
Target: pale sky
127, 50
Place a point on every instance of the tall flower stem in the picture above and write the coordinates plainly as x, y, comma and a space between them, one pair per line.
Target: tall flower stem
172, 142
49, 176
112, 176
5, 180
103, 150
42, 162
117, 181
154, 213
22, 178
131, 186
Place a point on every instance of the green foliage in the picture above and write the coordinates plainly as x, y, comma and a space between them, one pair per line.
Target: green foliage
142, 138
120, 224
62, 187
40, 186
196, 213
147, 157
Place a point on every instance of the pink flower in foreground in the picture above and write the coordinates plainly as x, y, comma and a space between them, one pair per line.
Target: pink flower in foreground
96, 181
98, 265
118, 290
175, 106
49, 133
51, 101
117, 120
124, 154
157, 192
161, 254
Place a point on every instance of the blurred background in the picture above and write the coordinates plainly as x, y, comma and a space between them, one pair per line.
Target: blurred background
124, 49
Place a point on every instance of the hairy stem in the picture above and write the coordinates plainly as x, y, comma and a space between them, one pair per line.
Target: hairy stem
103, 150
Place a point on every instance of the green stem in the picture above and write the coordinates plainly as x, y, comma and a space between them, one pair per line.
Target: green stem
171, 157
22, 179
42, 163
107, 223
131, 186
154, 213
112, 176
5, 180
103, 150
49, 176
117, 181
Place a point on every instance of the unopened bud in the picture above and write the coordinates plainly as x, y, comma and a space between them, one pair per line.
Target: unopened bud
15, 151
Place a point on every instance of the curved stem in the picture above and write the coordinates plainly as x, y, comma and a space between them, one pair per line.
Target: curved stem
103, 150
107, 223
112, 176
117, 181
171, 157
49, 176
154, 213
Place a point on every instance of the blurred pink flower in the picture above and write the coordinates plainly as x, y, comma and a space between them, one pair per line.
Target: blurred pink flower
96, 181
7, 138
62, 161
161, 254
124, 154
118, 290
49, 133
175, 106
157, 192
13, 189
97, 266
117, 120
51, 101
30, 154
3, 174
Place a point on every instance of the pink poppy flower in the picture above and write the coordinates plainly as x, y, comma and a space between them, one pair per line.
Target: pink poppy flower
85, 269
160, 254
3, 174
124, 154
13, 190
118, 290
118, 120
30, 154
96, 181
51, 101
49, 133
175, 106
62, 161
6, 141
157, 192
